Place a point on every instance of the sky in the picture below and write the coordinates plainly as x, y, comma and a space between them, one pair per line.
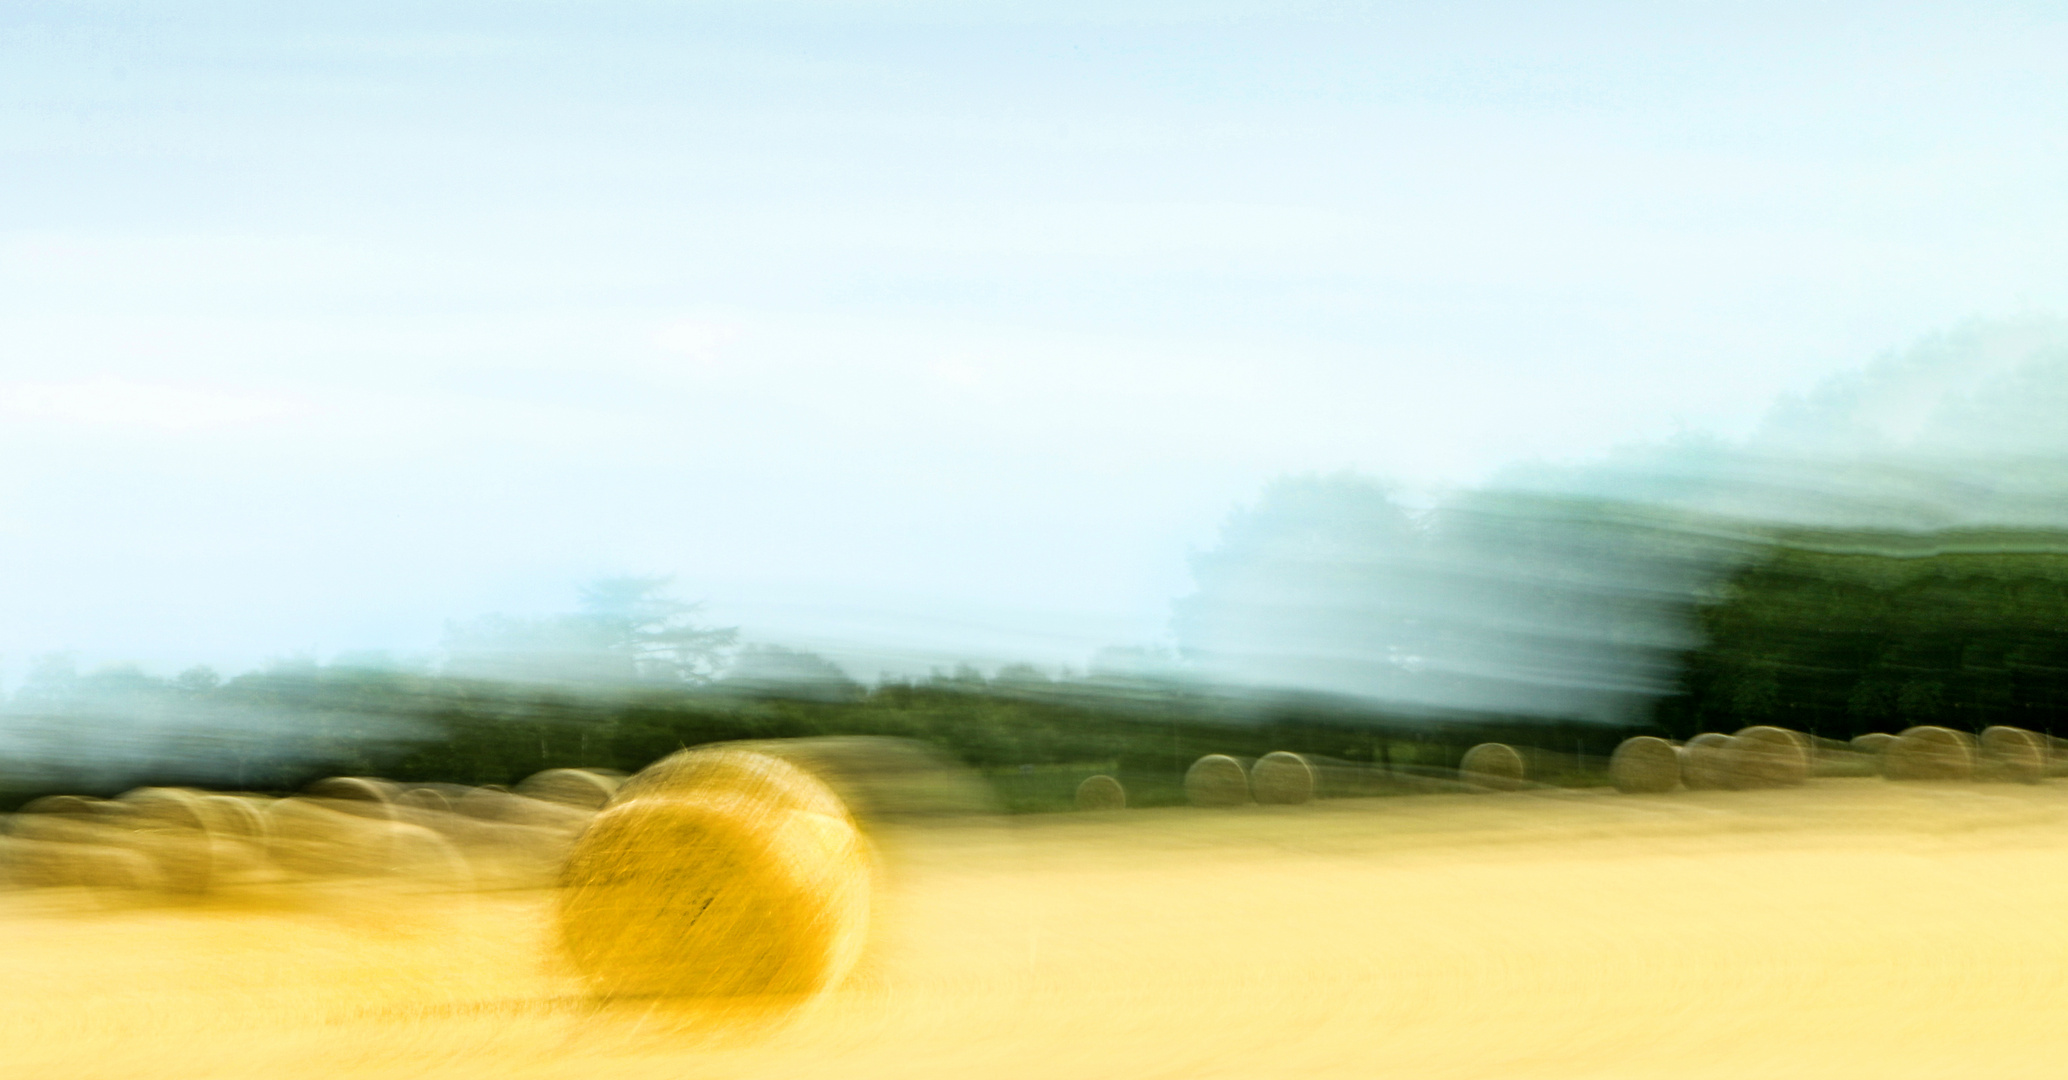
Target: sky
925, 331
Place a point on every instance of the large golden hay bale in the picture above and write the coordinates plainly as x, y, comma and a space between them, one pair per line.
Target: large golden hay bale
1766, 757
1282, 778
1930, 753
1494, 767
1217, 780
736, 879
1101, 792
583, 789
2013, 755
1708, 762
1644, 765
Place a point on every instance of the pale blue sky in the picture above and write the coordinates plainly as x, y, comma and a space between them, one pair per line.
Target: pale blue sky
933, 329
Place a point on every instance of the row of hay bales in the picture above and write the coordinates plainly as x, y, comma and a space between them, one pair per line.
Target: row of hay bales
1754, 757
185, 841
1762, 757
1279, 778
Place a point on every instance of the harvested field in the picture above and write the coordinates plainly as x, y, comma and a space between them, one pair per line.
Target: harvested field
1875, 929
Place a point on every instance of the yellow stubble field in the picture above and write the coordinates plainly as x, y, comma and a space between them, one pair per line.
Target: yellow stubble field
1851, 928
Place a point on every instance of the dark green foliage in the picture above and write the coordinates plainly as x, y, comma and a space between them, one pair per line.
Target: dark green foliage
1841, 634
1034, 738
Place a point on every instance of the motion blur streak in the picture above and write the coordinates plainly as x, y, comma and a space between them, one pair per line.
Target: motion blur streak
1851, 927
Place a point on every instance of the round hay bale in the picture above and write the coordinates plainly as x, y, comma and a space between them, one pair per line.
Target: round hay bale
2013, 755
1282, 778
487, 804
235, 816
1930, 753
1101, 792
1708, 763
31, 864
1494, 767
1767, 757
1217, 780
171, 827
745, 893
424, 801
1873, 746
326, 838
361, 795
69, 805
583, 789
1644, 765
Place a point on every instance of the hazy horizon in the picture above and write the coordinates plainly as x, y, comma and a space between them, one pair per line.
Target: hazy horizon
913, 335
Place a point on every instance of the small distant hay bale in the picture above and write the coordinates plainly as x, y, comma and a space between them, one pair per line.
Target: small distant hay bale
1217, 780
749, 891
361, 795
1644, 765
68, 805
1930, 753
327, 838
1494, 767
583, 789
172, 827
1101, 792
423, 800
2013, 755
1708, 763
489, 804
32, 864
1832, 757
1874, 747
1282, 778
1768, 757
236, 816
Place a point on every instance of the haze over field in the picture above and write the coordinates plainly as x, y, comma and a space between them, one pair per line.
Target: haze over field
917, 334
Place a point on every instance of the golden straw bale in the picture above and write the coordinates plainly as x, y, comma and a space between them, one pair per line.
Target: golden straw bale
1217, 780
1766, 757
238, 816
1494, 767
584, 789
2012, 754
364, 796
1644, 765
1708, 763
1930, 753
750, 892
1282, 778
169, 826
1101, 792
332, 838
33, 864
67, 805
1832, 757
509, 808
423, 800
1873, 746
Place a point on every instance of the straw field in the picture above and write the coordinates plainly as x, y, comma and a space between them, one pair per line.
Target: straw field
1874, 929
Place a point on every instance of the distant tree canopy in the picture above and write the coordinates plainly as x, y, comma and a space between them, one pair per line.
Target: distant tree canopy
627, 629
1845, 633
